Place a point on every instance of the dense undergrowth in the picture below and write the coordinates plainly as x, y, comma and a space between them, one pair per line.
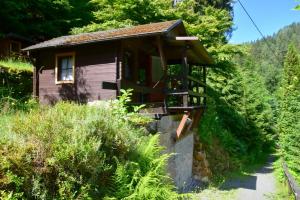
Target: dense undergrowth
74, 151
15, 64
237, 129
289, 112
15, 84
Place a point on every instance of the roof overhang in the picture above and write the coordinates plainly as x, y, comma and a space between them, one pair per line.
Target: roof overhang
195, 51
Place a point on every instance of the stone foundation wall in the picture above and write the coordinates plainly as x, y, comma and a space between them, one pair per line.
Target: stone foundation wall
181, 162
188, 160
201, 170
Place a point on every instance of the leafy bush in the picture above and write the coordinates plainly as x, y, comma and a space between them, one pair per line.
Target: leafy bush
80, 152
15, 82
15, 64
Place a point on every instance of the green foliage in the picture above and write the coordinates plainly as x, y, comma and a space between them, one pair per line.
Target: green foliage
16, 84
298, 6
208, 23
79, 152
268, 55
46, 18
289, 111
42, 19
238, 126
12, 64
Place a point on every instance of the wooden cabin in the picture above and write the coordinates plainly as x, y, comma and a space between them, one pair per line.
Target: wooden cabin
11, 45
164, 66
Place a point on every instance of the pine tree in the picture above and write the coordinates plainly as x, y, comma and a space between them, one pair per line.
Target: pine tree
289, 120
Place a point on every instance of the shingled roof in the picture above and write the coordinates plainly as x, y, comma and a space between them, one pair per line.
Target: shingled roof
141, 30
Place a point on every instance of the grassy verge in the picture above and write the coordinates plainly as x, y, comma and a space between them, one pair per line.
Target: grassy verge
282, 185
15, 82
213, 193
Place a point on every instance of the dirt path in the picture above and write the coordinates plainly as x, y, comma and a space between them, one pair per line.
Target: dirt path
257, 186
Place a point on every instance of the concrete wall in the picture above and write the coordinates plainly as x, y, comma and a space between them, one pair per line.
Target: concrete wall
181, 162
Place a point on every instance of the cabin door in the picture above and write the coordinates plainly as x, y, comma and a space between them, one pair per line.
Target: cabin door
144, 74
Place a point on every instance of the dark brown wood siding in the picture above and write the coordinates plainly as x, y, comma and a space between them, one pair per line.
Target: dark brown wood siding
4, 47
94, 64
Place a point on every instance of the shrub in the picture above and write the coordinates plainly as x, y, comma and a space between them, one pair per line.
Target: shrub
80, 152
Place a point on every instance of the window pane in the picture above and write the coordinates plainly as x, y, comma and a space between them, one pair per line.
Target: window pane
65, 68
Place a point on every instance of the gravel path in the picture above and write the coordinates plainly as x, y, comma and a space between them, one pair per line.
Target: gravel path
258, 186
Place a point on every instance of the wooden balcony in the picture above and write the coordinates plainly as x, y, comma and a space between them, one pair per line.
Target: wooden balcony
184, 93
179, 93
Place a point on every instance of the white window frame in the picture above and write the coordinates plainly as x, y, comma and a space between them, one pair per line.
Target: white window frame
60, 55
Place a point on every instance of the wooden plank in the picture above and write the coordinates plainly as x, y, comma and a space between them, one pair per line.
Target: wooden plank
162, 55
186, 38
185, 92
185, 100
196, 80
34, 82
185, 68
205, 88
196, 94
179, 93
138, 88
197, 117
185, 108
292, 182
182, 124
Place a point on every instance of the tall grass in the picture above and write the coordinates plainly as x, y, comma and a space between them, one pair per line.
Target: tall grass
79, 152
16, 64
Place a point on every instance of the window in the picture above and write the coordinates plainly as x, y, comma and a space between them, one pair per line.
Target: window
15, 47
64, 68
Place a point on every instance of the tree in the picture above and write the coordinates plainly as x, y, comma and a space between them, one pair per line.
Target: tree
298, 6
208, 23
289, 118
43, 19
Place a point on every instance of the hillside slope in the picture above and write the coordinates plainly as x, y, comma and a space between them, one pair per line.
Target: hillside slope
268, 55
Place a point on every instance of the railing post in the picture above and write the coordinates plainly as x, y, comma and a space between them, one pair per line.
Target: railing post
205, 86
185, 75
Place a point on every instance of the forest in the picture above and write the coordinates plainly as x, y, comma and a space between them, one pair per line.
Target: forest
253, 105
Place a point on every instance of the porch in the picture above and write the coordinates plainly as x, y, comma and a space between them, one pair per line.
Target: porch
167, 74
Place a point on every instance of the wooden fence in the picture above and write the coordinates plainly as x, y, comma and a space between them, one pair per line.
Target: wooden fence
294, 187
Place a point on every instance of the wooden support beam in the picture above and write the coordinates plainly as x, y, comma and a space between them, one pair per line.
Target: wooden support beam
185, 67
186, 38
197, 117
182, 124
162, 55
34, 82
205, 87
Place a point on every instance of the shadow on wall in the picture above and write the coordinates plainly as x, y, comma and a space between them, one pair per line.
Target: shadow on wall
77, 92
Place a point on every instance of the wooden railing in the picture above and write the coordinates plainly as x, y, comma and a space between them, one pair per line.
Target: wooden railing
125, 84
294, 187
185, 93
182, 92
